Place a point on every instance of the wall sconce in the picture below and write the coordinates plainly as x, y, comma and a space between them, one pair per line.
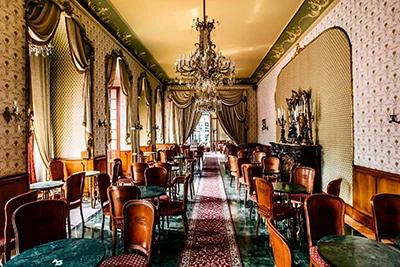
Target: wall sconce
24, 115
393, 117
137, 126
102, 123
264, 125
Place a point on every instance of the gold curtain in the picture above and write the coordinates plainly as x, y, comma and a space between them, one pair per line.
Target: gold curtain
181, 99
233, 114
126, 87
40, 103
111, 67
145, 89
42, 21
81, 56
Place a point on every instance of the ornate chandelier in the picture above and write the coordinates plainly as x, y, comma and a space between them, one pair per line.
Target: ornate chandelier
204, 68
208, 102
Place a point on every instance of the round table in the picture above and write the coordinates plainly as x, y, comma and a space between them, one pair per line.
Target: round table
397, 241
151, 191
72, 252
289, 188
92, 175
46, 187
354, 251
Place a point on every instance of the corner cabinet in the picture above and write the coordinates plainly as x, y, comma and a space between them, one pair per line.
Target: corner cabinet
306, 155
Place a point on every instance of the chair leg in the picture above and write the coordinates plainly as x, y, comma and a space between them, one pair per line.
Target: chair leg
251, 209
258, 223
69, 224
245, 198
231, 181
114, 237
185, 225
167, 222
83, 221
102, 226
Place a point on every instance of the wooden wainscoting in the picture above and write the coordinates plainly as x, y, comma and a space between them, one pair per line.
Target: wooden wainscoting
10, 187
366, 183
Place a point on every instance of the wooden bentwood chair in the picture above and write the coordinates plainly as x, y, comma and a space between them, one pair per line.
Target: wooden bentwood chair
333, 187
281, 249
103, 184
75, 184
267, 208
137, 170
139, 219
324, 216
9, 208
386, 214
118, 196
52, 215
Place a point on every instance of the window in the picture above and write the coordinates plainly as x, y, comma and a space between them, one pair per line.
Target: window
115, 122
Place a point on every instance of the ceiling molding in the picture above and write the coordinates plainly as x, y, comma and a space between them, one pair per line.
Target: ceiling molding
109, 18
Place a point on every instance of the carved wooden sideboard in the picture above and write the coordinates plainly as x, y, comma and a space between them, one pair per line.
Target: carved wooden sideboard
306, 155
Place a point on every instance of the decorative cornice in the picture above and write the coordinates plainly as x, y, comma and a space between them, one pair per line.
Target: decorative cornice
307, 14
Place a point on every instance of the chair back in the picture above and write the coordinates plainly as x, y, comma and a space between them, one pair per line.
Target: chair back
116, 170
233, 163
75, 185
200, 151
170, 153
163, 156
188, 178
39, 222
252, 171
189, 154
258, 155
103, 183
386, 214
270, 163
57, 170
139, 221
242, 153
324, 216
240, 162
11, 205
118, 160
333, 187
137, 170
166, 166
245, 166
118, 196
305, 176
264, 194
156, 176
280, 246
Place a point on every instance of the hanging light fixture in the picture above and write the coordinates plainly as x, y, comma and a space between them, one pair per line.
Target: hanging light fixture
204, 68
208, 102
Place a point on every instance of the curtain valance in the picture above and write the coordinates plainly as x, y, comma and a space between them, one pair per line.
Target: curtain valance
182, 98
42, 21
232, 97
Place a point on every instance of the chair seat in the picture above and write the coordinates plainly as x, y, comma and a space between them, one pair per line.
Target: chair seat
280, 212
296, 197
125, 180
119, 223
106, 209
253, 198
126, 260
170, 208
162, 198
178, 180
316, 257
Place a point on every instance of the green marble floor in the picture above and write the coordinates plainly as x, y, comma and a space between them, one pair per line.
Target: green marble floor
255, 250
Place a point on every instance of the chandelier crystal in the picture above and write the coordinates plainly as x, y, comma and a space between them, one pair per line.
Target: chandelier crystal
208, 102
204, 68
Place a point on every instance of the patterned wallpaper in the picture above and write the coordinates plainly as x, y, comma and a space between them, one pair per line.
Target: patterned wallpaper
66, 98
327, 76
373, 30
12, 86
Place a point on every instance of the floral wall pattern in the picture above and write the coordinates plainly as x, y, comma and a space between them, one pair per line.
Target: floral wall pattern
373, 30
12, 86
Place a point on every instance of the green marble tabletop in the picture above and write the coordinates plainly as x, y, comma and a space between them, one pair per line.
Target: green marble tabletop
398, 241
175, 168
290, 188
46, 185
270, 172
151, 191
354, 251
72, 252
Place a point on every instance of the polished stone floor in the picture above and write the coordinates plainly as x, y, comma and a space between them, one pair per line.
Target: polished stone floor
255, 251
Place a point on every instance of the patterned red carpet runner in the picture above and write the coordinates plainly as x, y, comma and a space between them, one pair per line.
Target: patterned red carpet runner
211, 240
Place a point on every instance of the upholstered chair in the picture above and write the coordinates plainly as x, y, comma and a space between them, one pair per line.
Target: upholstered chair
121, 178
242, 153
139, 219
239, 173
258, 155
333, 187
281, 249
103, 184
386, 214
75, 185
137, 170
233, 165
324, 216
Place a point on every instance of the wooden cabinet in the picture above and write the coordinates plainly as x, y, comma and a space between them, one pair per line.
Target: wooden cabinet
306, 155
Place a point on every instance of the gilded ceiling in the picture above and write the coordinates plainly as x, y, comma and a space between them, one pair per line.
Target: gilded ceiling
255, 35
